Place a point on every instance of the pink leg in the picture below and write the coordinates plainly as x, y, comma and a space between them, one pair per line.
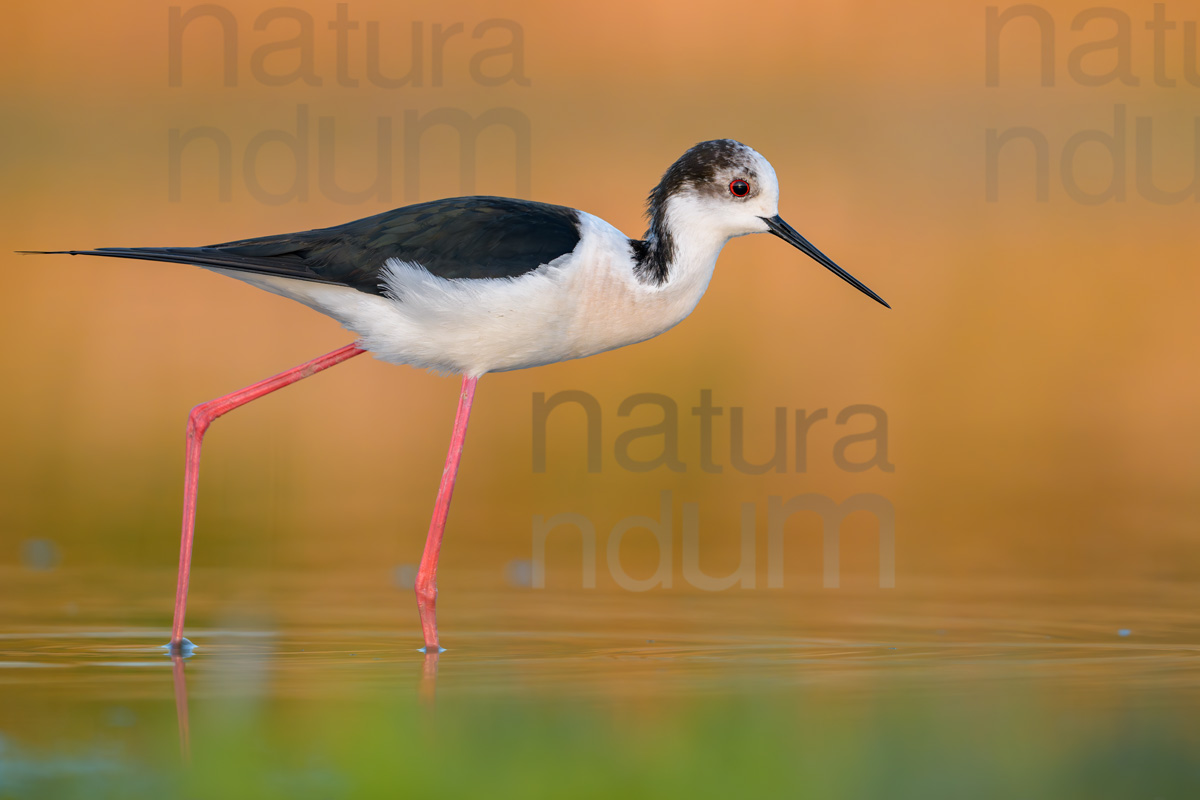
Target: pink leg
427, 574
198, 422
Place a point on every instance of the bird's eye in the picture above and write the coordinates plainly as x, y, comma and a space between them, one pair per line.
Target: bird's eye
739, 188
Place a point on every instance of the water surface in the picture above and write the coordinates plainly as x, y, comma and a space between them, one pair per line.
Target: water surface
927, 691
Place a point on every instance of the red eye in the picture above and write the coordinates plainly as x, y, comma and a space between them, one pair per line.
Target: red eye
739, 188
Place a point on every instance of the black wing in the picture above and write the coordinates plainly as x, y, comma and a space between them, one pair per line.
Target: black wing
461, 237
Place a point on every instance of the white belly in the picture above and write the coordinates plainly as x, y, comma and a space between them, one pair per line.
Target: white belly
584, 303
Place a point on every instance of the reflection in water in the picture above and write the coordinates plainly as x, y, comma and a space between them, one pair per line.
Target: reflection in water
178, 672
813, 695
428, 685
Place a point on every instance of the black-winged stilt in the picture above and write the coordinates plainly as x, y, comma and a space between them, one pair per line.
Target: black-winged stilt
473, 285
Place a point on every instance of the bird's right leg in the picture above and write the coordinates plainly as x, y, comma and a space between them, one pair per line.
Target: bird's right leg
198, 422
426, 583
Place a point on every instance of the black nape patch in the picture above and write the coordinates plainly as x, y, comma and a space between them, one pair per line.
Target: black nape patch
697, 169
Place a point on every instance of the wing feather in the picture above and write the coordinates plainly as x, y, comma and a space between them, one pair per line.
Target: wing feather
457, 238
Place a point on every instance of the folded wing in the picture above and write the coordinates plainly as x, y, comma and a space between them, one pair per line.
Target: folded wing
458, 238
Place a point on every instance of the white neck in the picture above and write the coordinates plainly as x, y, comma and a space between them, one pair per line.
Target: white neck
696, 234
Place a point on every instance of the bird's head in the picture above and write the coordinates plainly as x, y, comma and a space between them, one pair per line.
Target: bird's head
726, 189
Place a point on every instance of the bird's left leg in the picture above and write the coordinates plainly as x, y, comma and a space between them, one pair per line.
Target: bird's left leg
198, 422
427, 575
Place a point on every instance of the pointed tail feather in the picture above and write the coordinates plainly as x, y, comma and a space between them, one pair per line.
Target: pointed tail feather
202, 257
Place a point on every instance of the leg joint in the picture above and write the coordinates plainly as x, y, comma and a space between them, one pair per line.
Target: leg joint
200, 417
426, 592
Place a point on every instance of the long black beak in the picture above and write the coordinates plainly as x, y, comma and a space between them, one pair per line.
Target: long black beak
777, 226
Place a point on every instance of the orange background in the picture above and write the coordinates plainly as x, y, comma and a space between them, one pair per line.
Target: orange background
1038, 368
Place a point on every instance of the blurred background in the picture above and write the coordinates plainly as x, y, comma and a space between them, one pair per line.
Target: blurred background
1022, 188
1037, 371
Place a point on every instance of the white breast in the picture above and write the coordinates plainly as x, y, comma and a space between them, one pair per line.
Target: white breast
585, 302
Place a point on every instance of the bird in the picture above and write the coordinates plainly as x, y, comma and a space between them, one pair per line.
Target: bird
474, 285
